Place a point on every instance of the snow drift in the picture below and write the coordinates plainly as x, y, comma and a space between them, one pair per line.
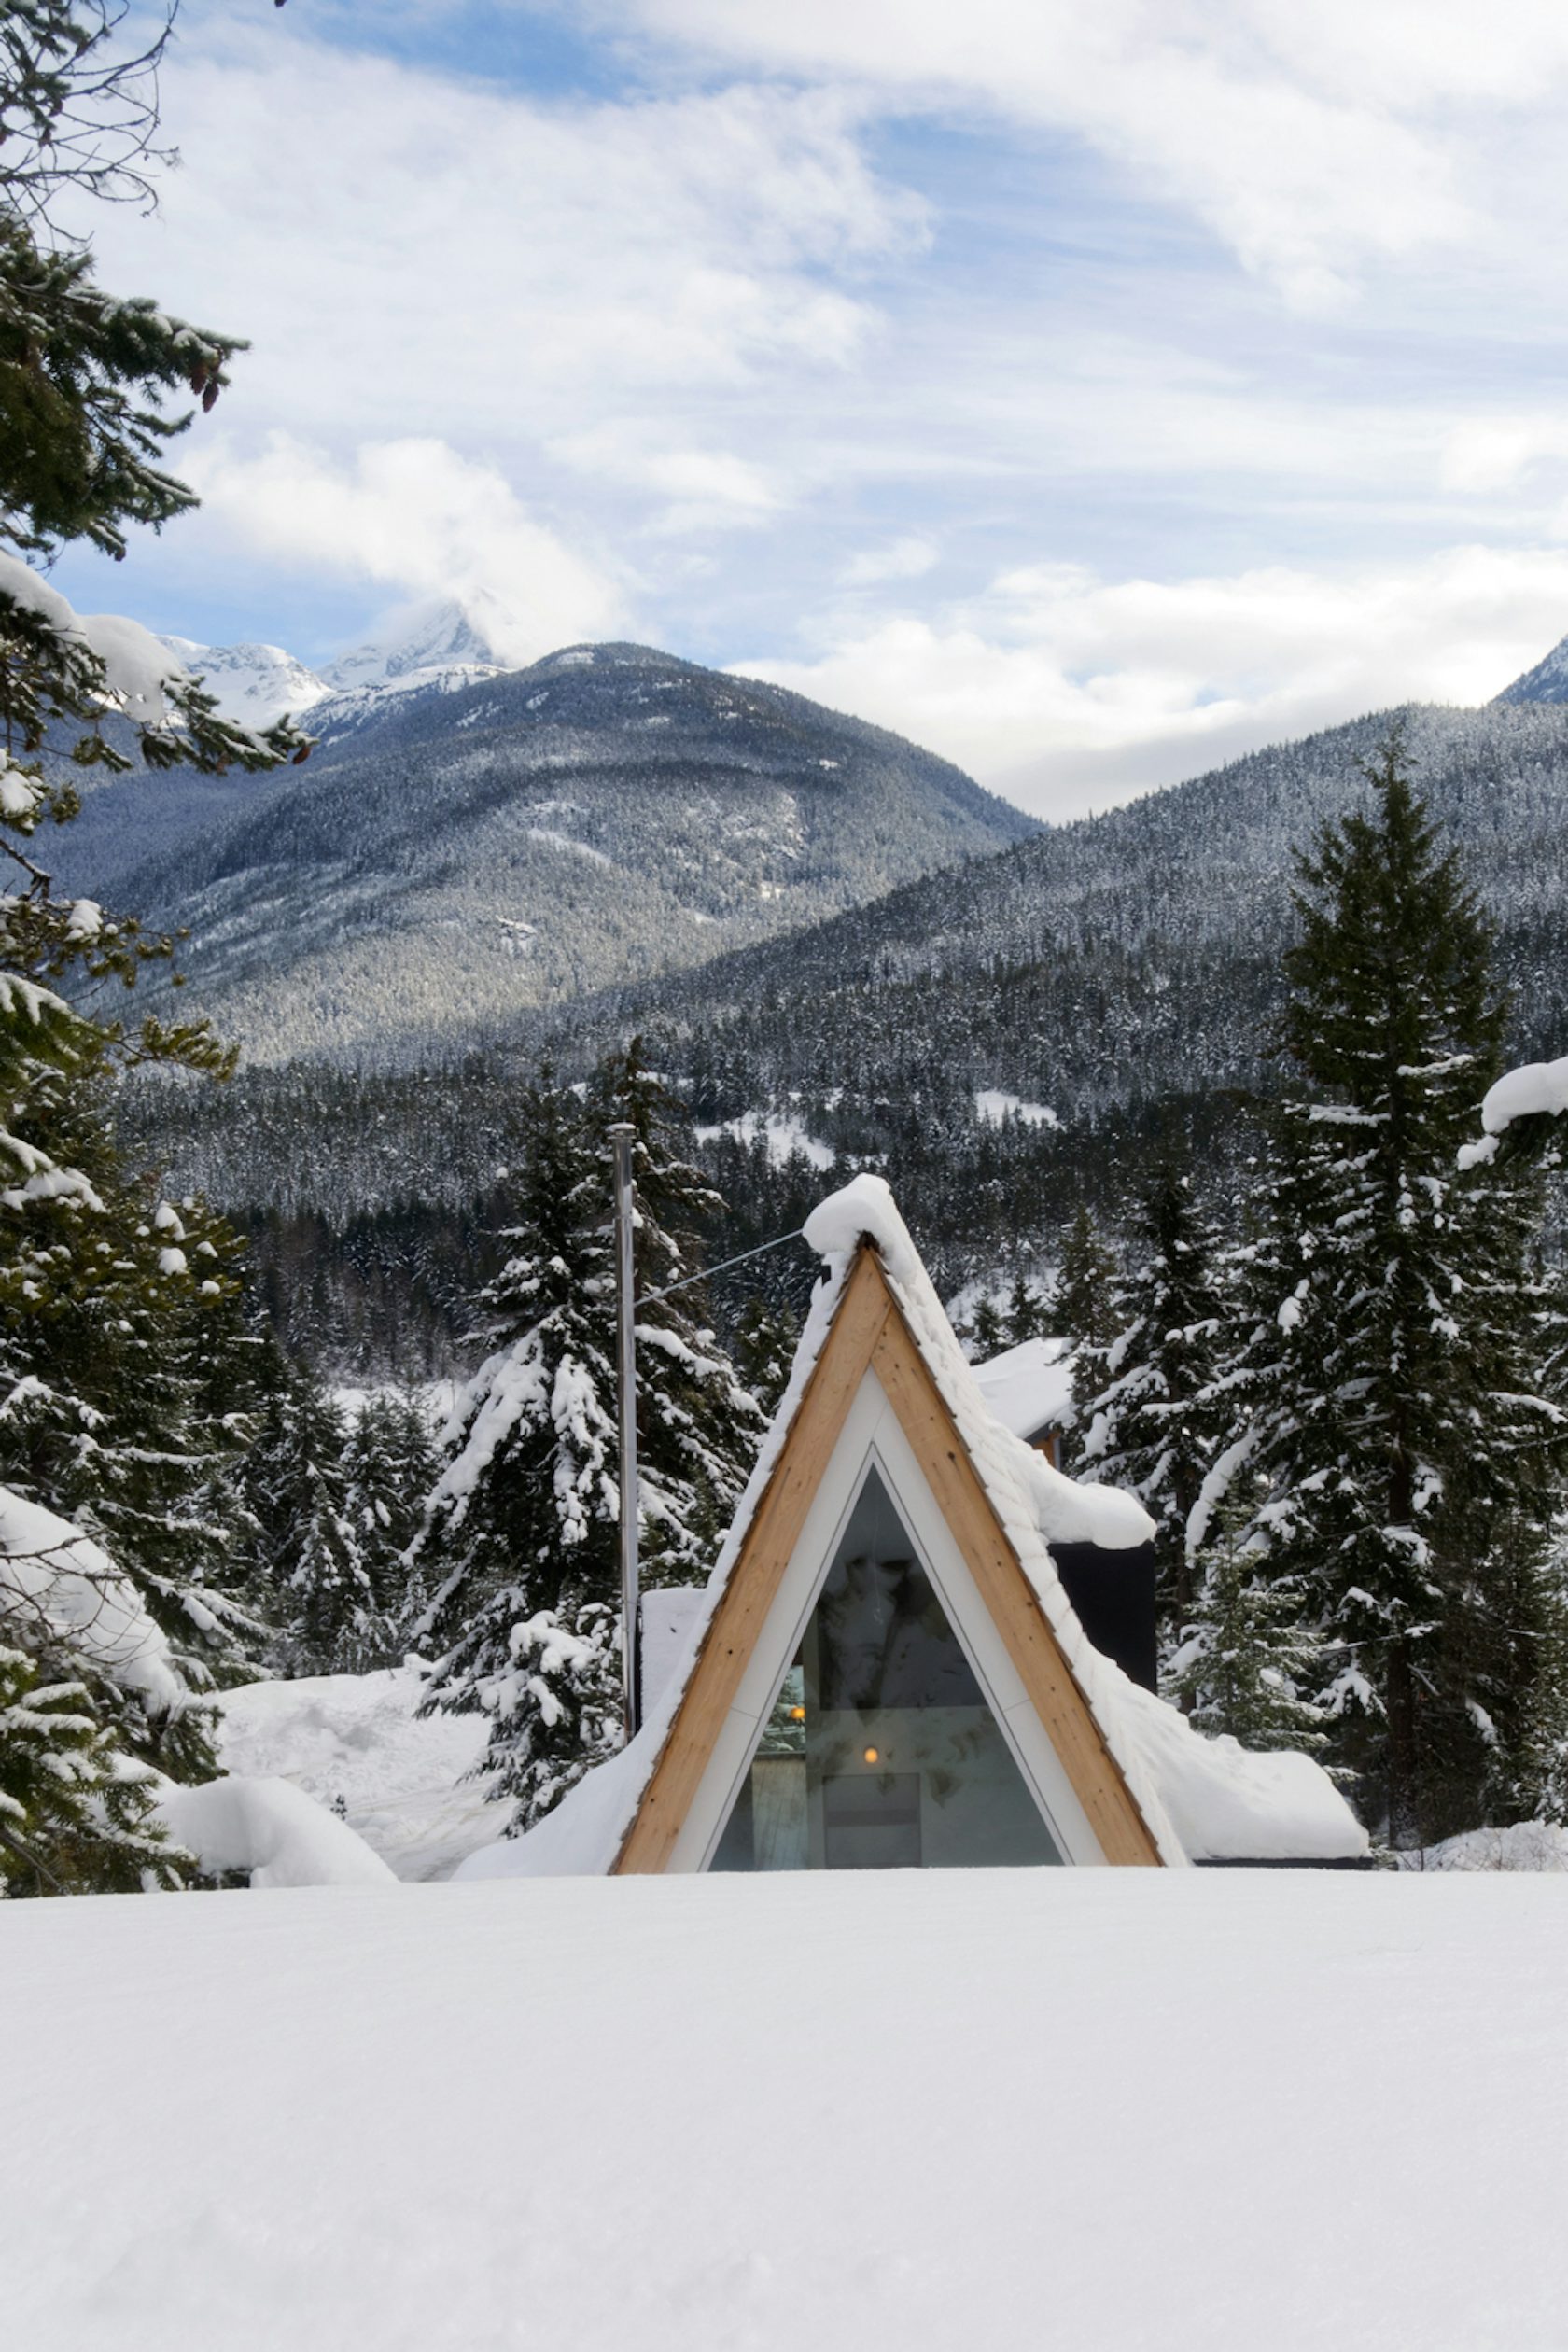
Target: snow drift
1271, 2111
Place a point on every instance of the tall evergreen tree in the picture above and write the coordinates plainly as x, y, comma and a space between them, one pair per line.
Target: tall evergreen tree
519, 1548
1089, 1307
1247, 1652
1388, 1375
1085, 1285
100, 1299
311, 1569
1029, 1312
1152, 1425
766, 1337
698, 1427
391, 1465
986, 1332
524, 1514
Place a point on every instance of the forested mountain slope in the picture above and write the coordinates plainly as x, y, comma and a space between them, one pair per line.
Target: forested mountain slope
1125, 958
451, 861
1118, 973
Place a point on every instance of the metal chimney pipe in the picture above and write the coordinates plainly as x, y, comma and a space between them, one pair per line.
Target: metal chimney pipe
620, 1136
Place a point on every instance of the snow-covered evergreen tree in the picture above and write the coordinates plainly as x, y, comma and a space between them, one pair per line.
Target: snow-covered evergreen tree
521, 1521
1387, 1383
985, 1333
108, 1412
524, 1517
1151, 1423
89, 1685
1089, 1307
766, 1337
989, 1327
392, 1466
698, 1427
77, 1812
311, 1567
1028, 1312
100, 1300
1247, 1654
1086, 1285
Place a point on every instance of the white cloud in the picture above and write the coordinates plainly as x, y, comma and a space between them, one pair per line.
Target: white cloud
1410, 54
1071, 691
415, 517
697, 489
600, 303
1489, 453
907, 558
1288, 132
432, 254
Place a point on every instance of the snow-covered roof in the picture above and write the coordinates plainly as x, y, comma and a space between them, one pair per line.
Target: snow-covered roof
1200, 1799
667, 1615
1027, 1388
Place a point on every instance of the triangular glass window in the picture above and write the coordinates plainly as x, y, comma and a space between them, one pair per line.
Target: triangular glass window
881, 1752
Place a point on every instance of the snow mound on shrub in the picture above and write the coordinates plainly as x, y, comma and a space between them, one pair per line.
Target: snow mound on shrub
273, 1831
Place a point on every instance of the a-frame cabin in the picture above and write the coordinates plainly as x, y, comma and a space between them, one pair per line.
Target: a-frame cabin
878, 1682
884, 1669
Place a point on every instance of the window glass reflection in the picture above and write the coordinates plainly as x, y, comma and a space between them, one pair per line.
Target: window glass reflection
880, 1752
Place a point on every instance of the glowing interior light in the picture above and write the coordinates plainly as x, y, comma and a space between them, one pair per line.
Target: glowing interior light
797, 1714
873, 1755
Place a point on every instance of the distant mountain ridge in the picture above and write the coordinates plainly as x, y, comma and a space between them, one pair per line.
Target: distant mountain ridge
1103, 967
1121, 973
435, 650
437, 646
257, 684
1548, 682
460, 851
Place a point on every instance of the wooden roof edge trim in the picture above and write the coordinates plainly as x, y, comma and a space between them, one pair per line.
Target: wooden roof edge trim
865, 1266
1033, 1595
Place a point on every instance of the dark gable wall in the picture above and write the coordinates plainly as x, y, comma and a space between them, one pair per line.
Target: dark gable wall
1113, 1594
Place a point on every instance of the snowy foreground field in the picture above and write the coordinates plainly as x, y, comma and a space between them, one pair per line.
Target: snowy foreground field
1238, 2110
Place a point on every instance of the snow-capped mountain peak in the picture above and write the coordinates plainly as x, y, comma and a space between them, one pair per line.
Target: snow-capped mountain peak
430, 638
443, 646
254, 684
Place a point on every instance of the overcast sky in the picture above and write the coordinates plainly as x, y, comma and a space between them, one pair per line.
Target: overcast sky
1087, 392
